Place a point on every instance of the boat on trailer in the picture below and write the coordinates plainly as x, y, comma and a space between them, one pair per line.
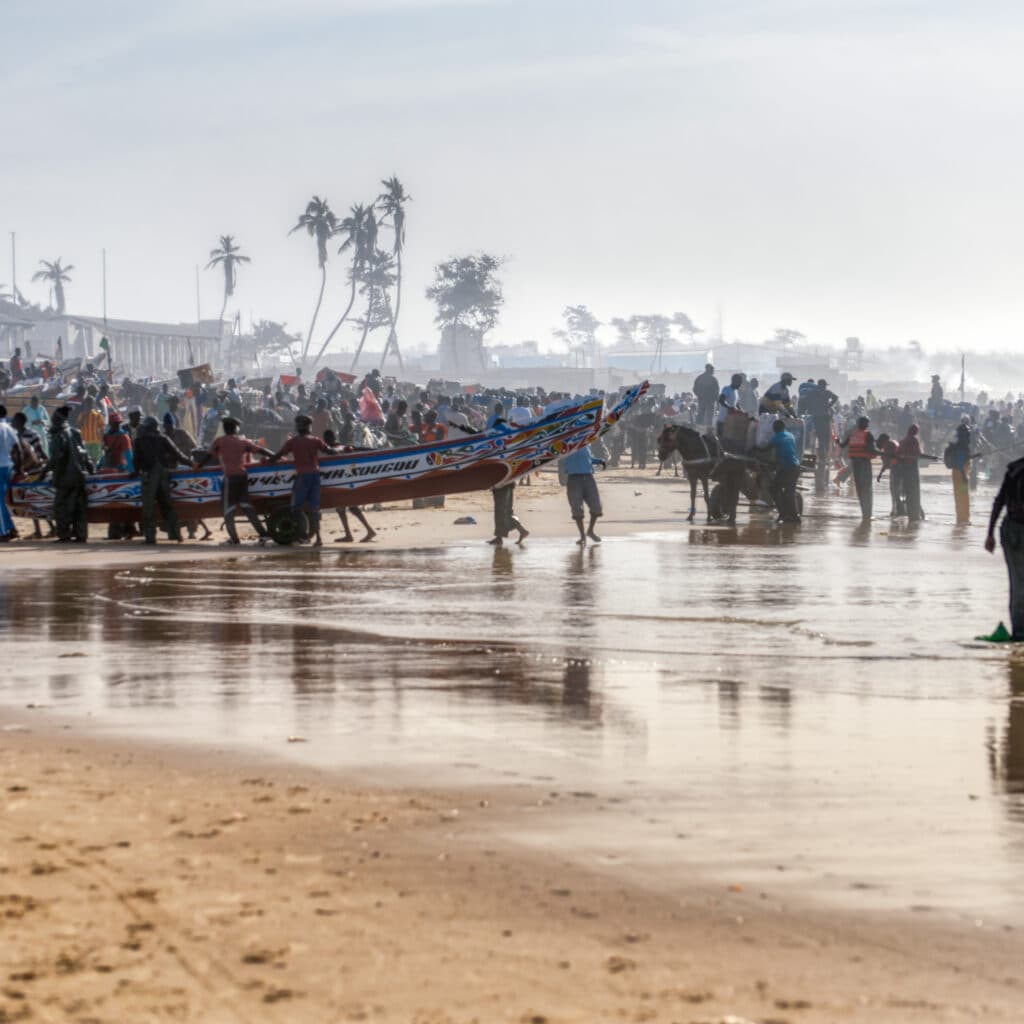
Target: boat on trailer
474, 462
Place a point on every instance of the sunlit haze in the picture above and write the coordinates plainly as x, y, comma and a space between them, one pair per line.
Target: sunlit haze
839, 167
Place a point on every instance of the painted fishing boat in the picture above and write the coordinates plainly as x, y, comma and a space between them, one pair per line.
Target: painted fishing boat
472, 463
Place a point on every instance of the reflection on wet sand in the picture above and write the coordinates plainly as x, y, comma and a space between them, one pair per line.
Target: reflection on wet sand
809, 694
1006, 748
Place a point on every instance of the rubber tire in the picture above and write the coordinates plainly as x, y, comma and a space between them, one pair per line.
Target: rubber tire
283, 526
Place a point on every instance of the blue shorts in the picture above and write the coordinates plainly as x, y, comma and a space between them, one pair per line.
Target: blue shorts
306, 491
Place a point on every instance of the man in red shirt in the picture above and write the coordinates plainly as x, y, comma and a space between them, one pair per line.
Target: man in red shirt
233, 450
305, 449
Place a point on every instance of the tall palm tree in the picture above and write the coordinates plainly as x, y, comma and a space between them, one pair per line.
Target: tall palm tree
320, 223
355, 229
229, 257
57, 276
378, 276
391, 202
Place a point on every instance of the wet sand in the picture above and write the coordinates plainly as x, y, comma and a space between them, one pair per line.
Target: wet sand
541, 504
713, 771
147, 884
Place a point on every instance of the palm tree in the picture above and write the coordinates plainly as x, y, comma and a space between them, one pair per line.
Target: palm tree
391, 202
378, 276
56, 275
229, 257
320, 223
354, 227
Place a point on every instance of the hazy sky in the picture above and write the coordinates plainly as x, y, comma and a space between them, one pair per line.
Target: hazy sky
836, 166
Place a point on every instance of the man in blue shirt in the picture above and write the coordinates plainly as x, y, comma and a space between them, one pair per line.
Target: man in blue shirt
787, 472
581, 488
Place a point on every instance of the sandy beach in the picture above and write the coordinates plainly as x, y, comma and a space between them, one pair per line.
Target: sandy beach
148, 884
634, 500
141, 880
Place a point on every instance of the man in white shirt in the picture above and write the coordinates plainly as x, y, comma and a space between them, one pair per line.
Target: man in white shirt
8, 442
728, 400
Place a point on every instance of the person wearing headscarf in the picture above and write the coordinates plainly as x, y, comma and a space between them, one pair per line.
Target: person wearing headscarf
117, 447
910, 466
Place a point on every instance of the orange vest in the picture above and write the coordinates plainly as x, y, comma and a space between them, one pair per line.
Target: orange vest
858, 445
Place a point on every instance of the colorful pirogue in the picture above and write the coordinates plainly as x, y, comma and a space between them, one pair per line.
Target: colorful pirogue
472, 463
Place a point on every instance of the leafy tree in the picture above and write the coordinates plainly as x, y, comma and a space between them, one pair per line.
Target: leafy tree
580, 333
320, 224
686, 325
228, 256
785, 337
57, 276
627, 330
270, 337
467, 292
657, 330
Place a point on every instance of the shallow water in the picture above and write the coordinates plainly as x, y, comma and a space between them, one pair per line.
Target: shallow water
801, 710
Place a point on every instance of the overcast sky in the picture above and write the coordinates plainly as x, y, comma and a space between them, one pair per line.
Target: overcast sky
835, 166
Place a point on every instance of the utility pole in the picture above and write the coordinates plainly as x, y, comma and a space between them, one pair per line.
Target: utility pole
199, 315
14, 274
104, 291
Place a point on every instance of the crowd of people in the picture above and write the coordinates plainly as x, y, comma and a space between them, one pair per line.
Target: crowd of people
150, 429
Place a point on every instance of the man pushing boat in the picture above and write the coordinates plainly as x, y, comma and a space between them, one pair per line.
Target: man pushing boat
233, 450
305, 448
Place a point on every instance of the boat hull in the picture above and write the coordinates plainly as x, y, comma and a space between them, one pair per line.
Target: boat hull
473, 463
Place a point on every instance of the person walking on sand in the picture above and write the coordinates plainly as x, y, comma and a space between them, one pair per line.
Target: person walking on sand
233, 450
1011, 538
581, 489
860, 448
305, 449
505, 519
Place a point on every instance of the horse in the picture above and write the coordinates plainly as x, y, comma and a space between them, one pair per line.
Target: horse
700, 453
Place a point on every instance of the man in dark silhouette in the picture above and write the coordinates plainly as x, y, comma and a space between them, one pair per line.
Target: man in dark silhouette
705, 387
1011, 537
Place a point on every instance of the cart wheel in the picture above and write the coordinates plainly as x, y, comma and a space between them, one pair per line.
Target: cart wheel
715, 502
283, 526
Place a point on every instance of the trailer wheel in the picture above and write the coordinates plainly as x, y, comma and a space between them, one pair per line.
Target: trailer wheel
283, 526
